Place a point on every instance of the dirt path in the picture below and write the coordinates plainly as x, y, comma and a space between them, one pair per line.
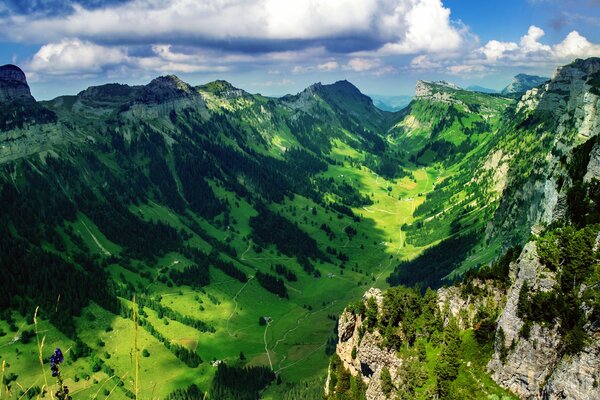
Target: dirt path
246, 251
236, 306
265, 340
102, 249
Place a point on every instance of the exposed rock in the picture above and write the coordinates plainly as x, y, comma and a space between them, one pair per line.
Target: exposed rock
377, 294
593, 168
452, 302
371, 357
535, 367
165, 94
578, 377
13, 85
522, 83
346, 326
568, 98
437, 91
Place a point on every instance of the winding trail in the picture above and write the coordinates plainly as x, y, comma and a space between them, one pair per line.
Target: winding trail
265, 340
236, 305
246, 251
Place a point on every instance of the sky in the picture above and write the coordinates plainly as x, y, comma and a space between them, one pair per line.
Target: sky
276, 47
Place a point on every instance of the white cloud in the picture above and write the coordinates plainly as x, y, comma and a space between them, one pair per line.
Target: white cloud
531, 51
575, 45
427, 28
363, 64
328, 66
424, 62
495, 49
75, 56
82, 58
279, 83
399, 26
530, 42
462, 69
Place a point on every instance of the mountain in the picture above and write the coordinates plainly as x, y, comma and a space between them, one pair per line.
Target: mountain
13, 85
477, 88
234, 227
390, 103
526, 325
522, 83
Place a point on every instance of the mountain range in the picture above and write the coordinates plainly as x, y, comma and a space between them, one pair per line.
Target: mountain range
232, 228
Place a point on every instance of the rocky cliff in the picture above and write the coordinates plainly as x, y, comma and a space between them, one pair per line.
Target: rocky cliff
534, 364
522, 83
361, 351
529, 358
550, 121
13, 85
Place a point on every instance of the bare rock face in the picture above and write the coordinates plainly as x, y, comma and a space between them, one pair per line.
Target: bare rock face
13, 85
165, 94
593, 168
452, 303
535, 367
568, 97
370, 356
577, 378
346, 326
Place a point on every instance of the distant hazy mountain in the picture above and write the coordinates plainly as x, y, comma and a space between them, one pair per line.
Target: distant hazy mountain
522, 83
477, 88
390, 103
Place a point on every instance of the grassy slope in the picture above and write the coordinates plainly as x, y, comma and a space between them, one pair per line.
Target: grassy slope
295, 338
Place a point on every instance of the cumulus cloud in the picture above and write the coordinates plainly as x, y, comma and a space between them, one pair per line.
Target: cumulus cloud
80, 57
75, 56
363, 64
575, 45
328, 66
461, 69
424, 62
531, 51
427, 28
394, 26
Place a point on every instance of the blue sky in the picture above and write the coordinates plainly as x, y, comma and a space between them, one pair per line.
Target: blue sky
278, 46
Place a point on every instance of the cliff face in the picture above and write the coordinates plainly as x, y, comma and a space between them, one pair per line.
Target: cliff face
13, 85
532, 365
535, 366
529, 362
549, 122
363, 353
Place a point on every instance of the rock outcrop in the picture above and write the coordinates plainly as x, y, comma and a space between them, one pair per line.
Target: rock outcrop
163, 95
523, 369
522, 83
437, 91
13, 85
534, 366
362, 352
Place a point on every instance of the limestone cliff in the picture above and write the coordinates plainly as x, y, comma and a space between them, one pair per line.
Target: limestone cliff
362, 352
549, 122
535, 365
13, 85
530, 361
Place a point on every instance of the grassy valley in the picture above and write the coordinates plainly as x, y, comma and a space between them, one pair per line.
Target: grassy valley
223, 231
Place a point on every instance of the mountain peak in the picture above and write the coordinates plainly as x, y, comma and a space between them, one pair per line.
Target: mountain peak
522, 83
165, 88
13, 84
428, 88
222, 88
